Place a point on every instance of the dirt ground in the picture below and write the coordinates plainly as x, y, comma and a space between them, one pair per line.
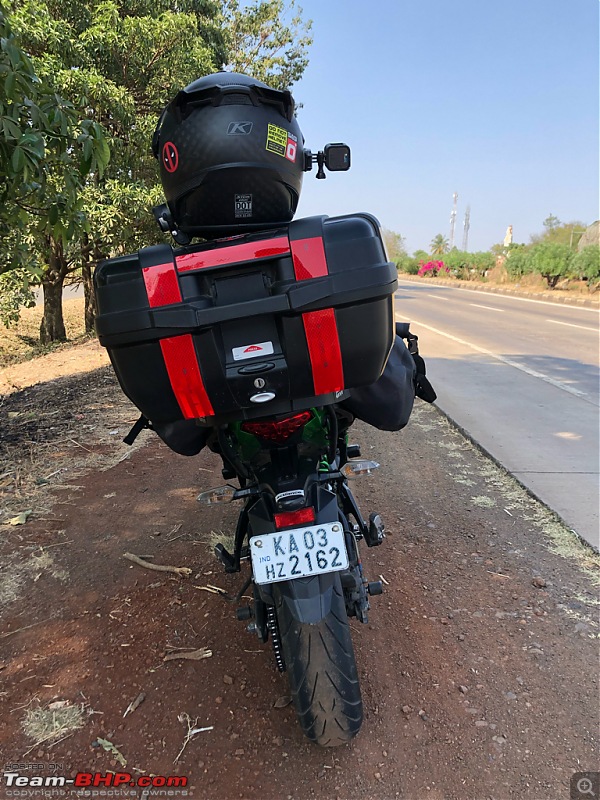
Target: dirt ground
478, 666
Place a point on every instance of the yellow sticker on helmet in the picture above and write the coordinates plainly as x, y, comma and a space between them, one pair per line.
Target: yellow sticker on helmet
281, 142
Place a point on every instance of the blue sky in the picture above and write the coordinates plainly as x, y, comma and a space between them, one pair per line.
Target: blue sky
494, 99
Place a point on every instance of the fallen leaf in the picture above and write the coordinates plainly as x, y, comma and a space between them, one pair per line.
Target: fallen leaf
282, 702
110, 748
21, 518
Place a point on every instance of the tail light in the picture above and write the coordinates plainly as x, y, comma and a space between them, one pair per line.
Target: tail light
290, 519
280, 430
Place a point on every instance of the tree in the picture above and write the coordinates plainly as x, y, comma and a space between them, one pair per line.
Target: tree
551, 222
552, 261
586, 266
518, 260
39, 129
47, 151
439, 245
557, 232
394, 244
15, 293
262, 44
120, 62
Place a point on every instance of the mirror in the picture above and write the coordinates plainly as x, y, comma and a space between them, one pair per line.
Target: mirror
337, 157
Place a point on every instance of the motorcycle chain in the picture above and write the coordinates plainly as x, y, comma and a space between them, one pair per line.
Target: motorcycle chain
275, 638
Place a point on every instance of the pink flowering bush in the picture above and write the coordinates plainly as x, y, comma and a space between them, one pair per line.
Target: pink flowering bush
431, 269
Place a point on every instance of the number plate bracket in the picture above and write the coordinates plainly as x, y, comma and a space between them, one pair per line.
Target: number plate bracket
298, 553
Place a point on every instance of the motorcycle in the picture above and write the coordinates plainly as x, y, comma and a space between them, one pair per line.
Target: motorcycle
300, 529
252, 342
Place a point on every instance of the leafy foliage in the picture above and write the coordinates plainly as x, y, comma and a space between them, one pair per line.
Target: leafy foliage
15, 293
394, 244
557, 232
518, 261
439, 245
46, 154
260, 42
586, 264
551, 260
117, 63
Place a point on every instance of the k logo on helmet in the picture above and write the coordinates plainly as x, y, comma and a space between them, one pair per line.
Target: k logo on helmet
239, 128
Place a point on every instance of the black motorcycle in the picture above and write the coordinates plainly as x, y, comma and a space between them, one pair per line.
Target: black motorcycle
264, 341
300, 528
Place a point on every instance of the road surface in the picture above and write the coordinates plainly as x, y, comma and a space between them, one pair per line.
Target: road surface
521, 376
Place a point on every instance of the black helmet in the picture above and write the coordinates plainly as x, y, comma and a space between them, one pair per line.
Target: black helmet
231, 156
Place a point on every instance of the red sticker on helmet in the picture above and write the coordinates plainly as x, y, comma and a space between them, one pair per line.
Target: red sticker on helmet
170, 157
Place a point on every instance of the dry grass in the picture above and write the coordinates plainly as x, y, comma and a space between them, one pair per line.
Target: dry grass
21, 342
51, 724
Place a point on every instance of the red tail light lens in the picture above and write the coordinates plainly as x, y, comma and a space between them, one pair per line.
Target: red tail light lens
278, 431
290, 519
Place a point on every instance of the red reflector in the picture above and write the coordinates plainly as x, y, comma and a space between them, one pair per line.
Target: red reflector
280, 430
288, 519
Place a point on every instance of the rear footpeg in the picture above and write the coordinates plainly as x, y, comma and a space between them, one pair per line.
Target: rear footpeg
376, 532
225, 557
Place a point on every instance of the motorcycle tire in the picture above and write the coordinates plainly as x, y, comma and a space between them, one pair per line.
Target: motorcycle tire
322, 672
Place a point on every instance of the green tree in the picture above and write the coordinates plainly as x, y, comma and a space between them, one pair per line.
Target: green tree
557, 232
552, 261
586, 265
408, 265
439, 245
394, 244
518, 260
15, 293
47, 151
263, 43
120, 62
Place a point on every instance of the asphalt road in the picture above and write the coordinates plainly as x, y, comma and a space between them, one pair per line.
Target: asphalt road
521, 376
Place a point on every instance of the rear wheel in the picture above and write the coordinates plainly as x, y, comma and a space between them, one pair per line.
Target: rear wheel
322, 672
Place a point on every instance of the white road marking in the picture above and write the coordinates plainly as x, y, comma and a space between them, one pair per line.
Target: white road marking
570, 325
533, 373
489, 308
439, 297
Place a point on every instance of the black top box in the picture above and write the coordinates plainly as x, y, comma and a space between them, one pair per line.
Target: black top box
250, 326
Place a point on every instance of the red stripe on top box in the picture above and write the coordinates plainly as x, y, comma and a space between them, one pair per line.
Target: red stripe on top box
184, 374
309, 258
162, 285
320, 327
324, 350
247, 251
179, 354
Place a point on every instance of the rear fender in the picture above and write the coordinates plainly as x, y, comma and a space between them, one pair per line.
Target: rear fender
308, 599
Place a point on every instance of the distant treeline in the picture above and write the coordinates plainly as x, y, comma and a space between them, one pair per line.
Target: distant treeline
553, 262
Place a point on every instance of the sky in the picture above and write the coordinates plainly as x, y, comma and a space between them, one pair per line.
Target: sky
496, 100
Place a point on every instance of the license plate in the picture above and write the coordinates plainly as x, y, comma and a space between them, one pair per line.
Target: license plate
298, 553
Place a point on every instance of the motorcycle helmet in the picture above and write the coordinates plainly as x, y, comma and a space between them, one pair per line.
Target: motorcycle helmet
231, 156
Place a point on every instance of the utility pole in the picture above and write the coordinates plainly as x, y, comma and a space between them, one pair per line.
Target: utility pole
466, 225
453, 219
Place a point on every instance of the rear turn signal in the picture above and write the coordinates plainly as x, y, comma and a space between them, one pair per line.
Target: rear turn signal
290, 519
278, 430
222, 494
359, 466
